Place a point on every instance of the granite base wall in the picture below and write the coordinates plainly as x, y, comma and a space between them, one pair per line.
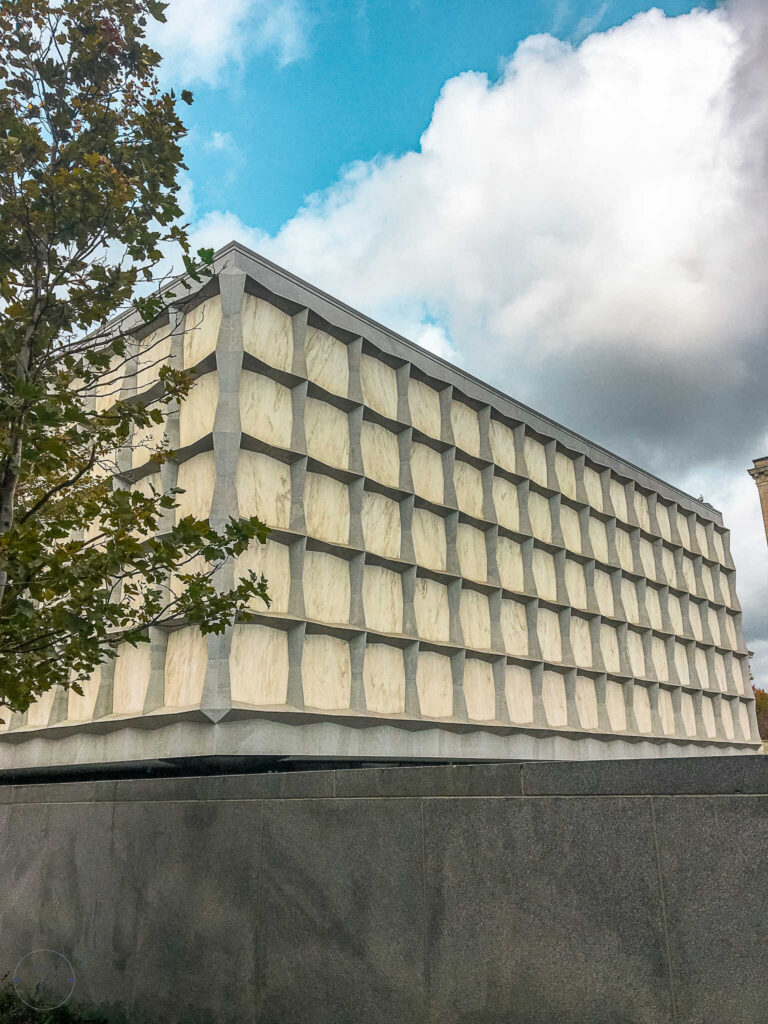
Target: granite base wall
475, 894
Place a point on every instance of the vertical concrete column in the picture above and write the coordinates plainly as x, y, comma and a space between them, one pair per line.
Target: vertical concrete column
407, 552
298, 484
356, 573
642, 609
299, 358
484, 421
550, 449
404, 439
158, 646
499, 668
411, 661
103, 705
629, 706
451, 543
529, 581
449, 488
618, 600
295, 696
356, 489
409, 613
625, 665
578, 472
537, 689
403, 374
595, 624
357, 700
571, 708
298, 408
523, 490
491, 555
532, 622
554, 515
296, 552
446, 424
494, 605
354, 356
489, 507
603, 721
589, 579
701, 732
666, 619
564, 619
562, 590
654, 697
456, 632
216, 696
613, 551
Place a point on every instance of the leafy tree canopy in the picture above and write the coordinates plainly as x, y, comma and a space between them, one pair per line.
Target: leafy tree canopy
90, 156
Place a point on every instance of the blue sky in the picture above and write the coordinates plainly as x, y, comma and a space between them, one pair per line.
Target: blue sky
566, 197
361, 79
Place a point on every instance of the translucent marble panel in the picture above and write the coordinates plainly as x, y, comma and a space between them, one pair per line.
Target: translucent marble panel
327, 361
629, 600
609, 645
681, 663
636, 654
384, 679
506, 503
642, 706
434, 684
616, 705
186, 661
581, 641
566, 474
381, 454
479, 691
267, 332
575, 583
647, 559
201, 331
514, 627
509, 558
39, 713
586, 702
427, 473
381, 524
702, 668
146, 441
668, 561
469, 488
619, 499
466, 428
570, 527
80, 708
544, 574
719, 547
642, 511
536, 460
684, 530
706, 579
604, 593
379, 383
197, 478
383, 599
265, 409
624, 549
666, 712
327, 432
675, 613
689, 575
273, 561
326, 587
746, 725
594, 487
428, 531
662, 518
688, 713
519, 692
727, 718
326, 508
659, 657
730, 625
503, 446
475, 619
470, 544
430, 603
553, 696
198, 410
694, 614
598, 538
653, 607
721, 676
548, 630
258, 665
326, 672
424, 406
264, 489
540, 516
702, 543
714, 626
708, 716
153, 352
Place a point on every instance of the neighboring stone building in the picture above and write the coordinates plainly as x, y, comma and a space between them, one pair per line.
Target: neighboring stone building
453, 575
759, 474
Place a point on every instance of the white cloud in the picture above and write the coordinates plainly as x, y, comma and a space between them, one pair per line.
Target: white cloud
591, 232
221, 141
201, 42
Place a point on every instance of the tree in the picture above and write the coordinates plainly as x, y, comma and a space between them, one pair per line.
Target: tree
90, 158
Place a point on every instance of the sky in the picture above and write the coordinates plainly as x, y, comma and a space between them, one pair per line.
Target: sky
566, 197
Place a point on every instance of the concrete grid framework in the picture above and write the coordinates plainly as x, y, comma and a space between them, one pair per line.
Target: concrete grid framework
452, 574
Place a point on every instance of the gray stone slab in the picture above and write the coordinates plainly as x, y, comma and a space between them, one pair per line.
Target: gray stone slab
439, 780
185, 891
342, 916
647, 776
544, 912
712, 853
